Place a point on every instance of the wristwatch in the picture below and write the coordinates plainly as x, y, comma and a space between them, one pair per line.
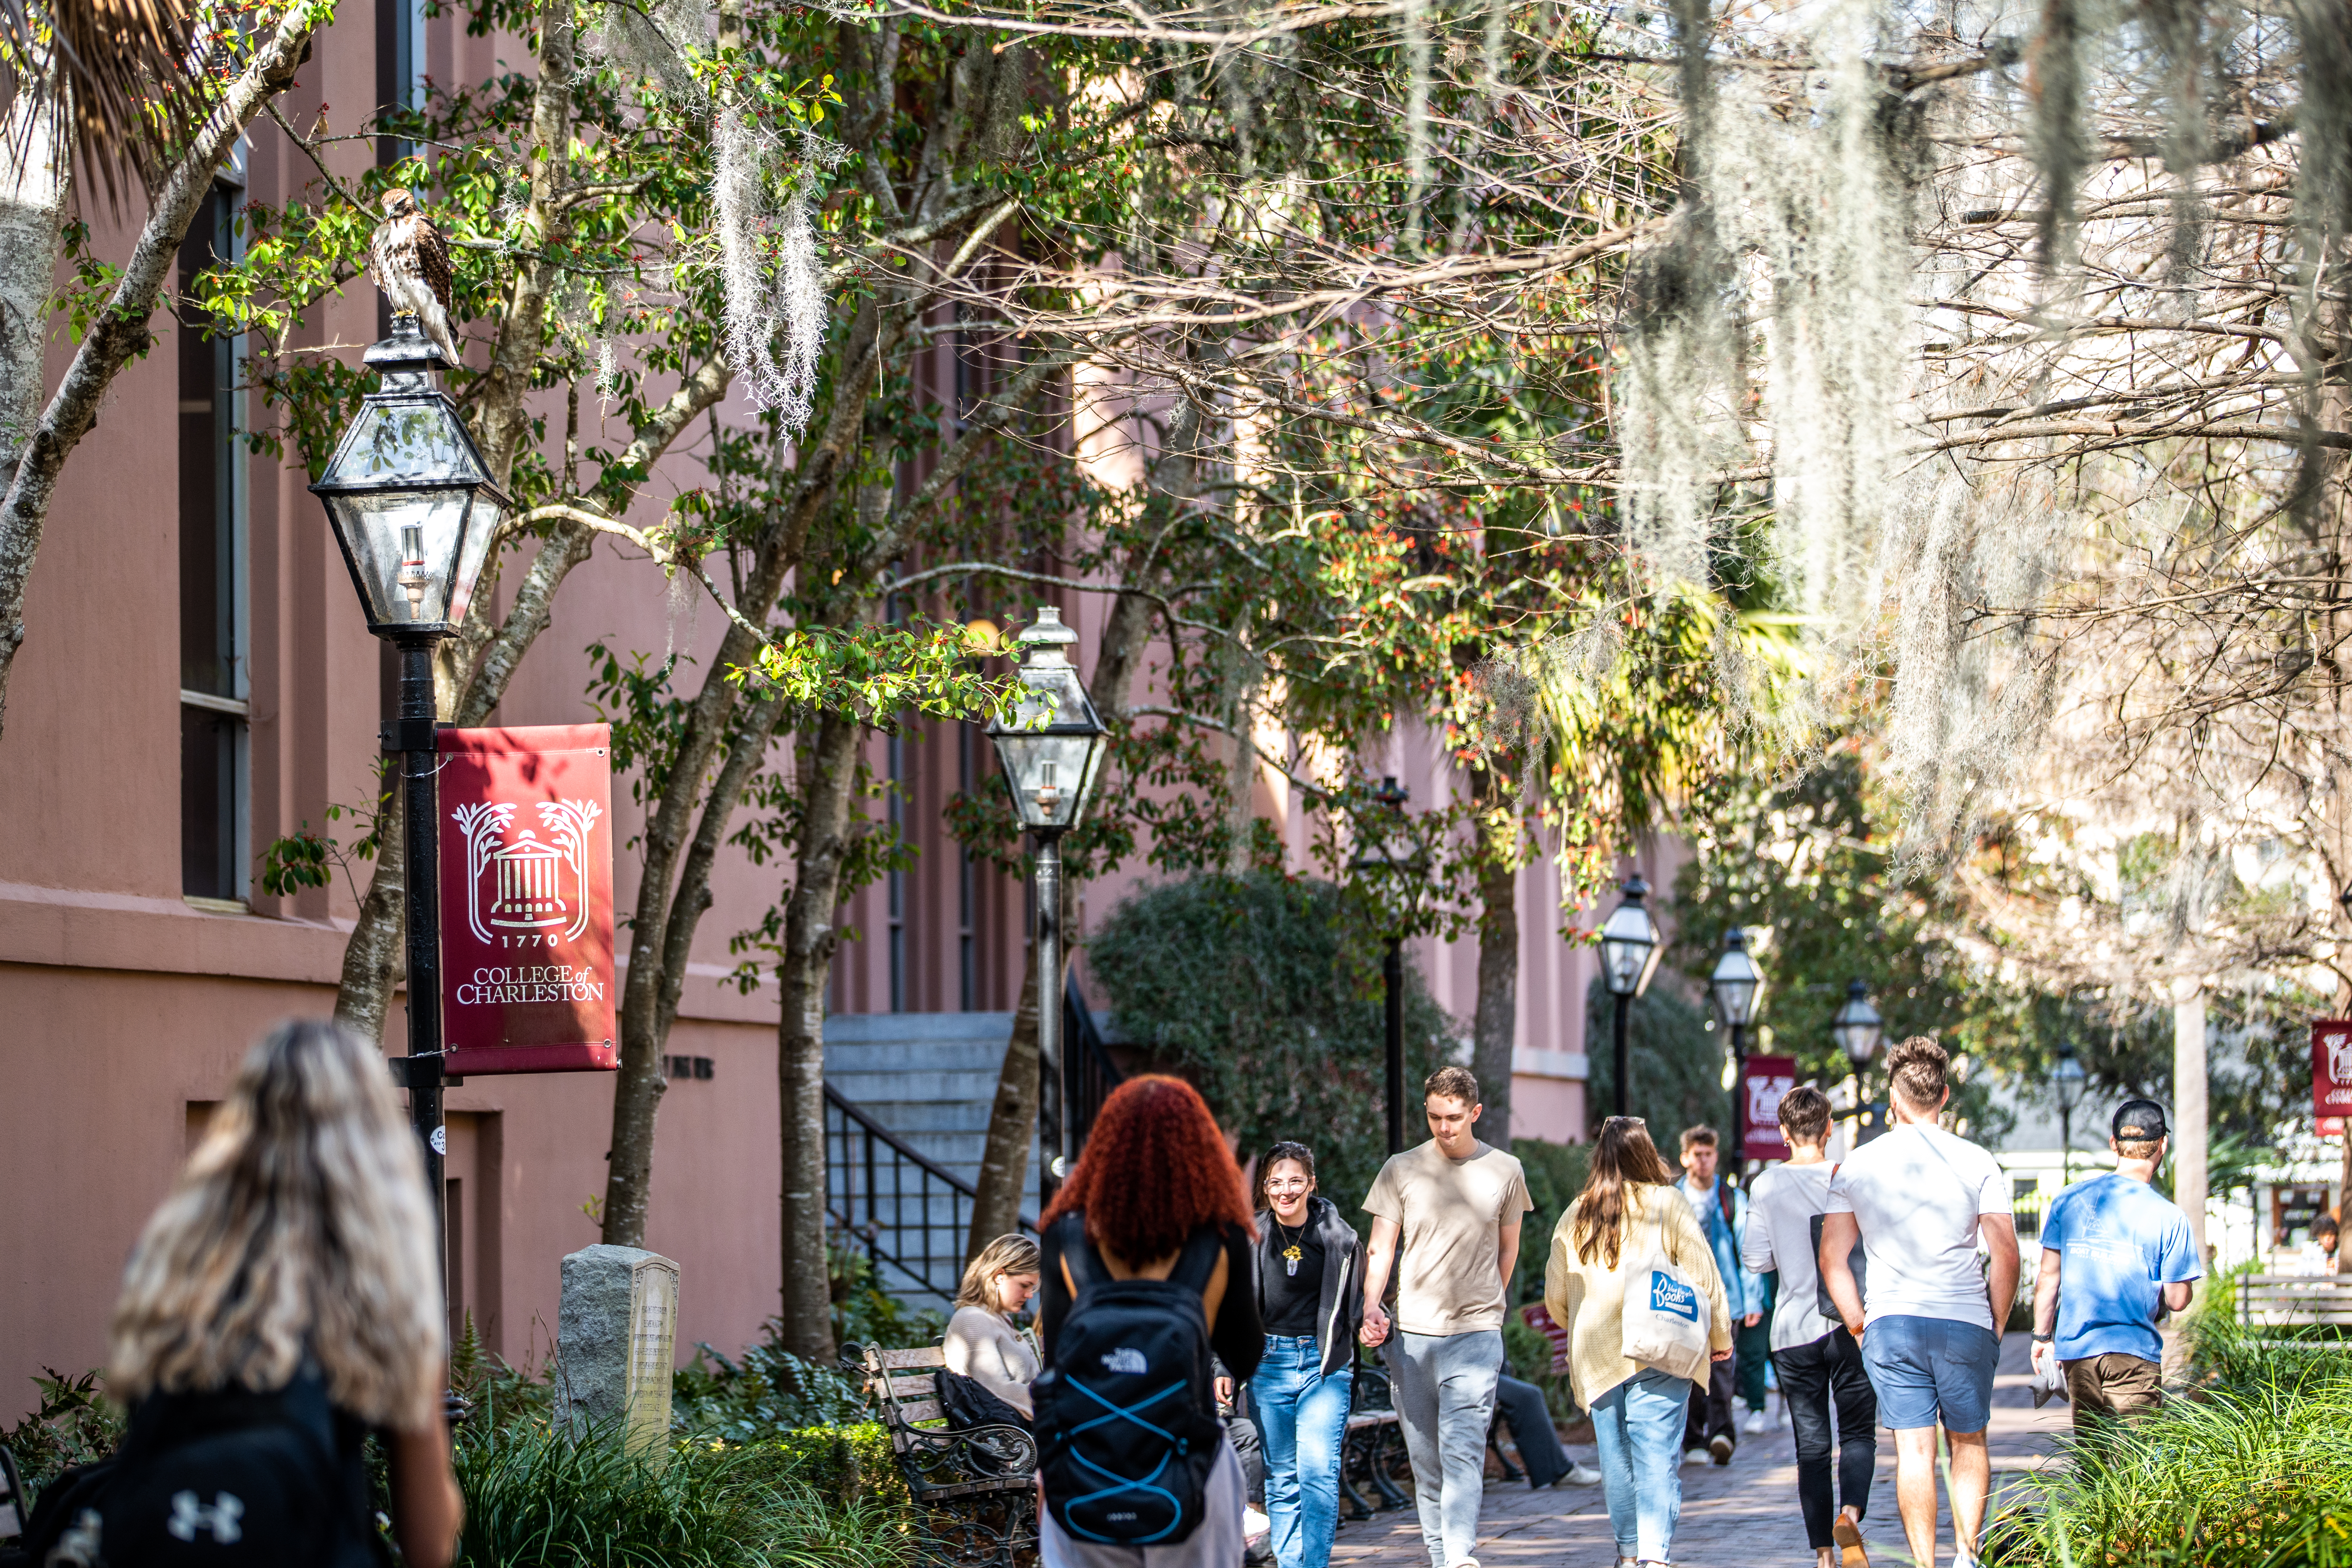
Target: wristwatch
2043, 1339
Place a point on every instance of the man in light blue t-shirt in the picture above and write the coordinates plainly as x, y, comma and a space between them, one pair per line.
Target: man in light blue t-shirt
2112, 1249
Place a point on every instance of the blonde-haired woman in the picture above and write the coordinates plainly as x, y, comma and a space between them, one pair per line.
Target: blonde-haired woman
1604, 1240
291, 1271
981, 1343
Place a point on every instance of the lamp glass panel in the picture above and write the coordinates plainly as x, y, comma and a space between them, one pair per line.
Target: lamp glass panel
1734, 985
1629, 940
2068, 1077
1045, 770
480, 528
375, 531
406, 443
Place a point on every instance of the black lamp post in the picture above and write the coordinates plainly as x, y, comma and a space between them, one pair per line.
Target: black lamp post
1049, 754
1630, 949
1859, 1031
2066, 1078
1736, 986
1388, 851
414, 508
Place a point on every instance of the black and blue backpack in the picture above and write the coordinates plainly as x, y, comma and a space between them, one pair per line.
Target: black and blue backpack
1125, 1413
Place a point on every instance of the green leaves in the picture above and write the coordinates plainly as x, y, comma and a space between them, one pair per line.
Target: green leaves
874, 672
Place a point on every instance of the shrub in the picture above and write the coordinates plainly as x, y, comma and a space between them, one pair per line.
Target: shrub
74, 1424
766, 1393
1250, 988
2249, 1471
532, 1497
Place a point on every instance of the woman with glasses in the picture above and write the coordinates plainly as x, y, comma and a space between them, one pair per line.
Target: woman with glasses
1628, 1214
1310, 1293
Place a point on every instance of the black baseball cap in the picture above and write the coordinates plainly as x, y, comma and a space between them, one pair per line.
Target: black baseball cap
2137, 1121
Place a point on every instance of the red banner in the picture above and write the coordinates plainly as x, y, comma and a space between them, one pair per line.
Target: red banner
1768, 1078
2331, 1070
526, 839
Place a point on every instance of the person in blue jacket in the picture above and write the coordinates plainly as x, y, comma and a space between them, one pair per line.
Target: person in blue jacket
1722, 1212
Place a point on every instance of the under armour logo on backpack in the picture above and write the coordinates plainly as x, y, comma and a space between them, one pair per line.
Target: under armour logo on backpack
189, 1516
78, 1546
1126, 1359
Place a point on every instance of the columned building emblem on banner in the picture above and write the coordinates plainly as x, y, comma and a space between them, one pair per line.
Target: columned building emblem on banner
519, 885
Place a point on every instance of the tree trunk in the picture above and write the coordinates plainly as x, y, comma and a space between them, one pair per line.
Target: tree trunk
120, 332
1495, 1028
1013, 1114
649, 995
36, 177
373, 957
1002, 1181
810, 938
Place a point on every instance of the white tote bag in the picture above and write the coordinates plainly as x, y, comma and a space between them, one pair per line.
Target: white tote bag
1666, 1314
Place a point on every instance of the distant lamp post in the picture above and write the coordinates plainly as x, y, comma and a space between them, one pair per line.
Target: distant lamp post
1857, 1028
1049, 754
1737, 986
1630, 949
414, 508
1388, 850
2066, 1079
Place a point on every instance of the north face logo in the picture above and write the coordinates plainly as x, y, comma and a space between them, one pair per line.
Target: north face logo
1674, 1300
1126, 1359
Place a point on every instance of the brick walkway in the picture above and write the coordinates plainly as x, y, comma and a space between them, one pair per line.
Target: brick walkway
1741, 1516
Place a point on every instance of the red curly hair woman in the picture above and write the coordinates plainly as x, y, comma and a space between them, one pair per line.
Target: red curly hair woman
1152, 1225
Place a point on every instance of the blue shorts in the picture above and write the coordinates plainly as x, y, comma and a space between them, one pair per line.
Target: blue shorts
1927, 1369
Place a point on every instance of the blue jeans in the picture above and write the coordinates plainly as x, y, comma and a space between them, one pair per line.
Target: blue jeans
1302, 1418
1639, 1426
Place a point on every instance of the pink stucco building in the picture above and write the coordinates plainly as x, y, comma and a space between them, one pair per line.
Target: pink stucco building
197, 683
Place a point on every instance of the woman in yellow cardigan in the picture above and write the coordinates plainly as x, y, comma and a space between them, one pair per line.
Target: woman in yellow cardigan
1604, 1239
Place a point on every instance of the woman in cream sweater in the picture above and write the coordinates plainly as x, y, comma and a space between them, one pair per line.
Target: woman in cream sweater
981, 1343
1598, 1247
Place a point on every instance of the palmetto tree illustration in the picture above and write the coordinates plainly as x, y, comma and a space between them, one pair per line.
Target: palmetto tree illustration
485, 828
567, 823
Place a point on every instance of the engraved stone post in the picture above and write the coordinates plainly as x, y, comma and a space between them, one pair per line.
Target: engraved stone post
615, 1337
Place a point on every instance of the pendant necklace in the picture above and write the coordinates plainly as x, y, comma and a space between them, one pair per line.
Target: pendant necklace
1290, 1253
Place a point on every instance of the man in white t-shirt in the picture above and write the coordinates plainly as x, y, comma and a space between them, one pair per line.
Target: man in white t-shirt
1930, 1210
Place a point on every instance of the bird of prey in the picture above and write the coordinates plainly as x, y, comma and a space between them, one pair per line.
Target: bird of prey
409, 260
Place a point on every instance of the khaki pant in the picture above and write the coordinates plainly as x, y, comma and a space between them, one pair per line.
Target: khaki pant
2112, 1387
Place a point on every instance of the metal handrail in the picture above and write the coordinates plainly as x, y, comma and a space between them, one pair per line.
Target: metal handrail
924, 1253
1095, 1076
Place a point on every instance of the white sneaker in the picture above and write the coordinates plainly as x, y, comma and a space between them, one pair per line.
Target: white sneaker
1754, 1425
1698, 1457
1578, 1476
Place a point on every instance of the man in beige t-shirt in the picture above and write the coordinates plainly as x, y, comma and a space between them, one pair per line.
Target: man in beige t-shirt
1454, 1204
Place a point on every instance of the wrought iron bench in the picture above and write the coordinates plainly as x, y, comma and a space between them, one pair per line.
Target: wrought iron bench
974, 1491
1368, 1451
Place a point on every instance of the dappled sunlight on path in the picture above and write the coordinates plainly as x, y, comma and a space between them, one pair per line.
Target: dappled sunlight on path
1740, 1516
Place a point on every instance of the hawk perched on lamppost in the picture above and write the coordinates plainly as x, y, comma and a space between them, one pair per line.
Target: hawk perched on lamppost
409, 260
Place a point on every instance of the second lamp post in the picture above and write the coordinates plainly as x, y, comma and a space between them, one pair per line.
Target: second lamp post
1050, 753
1389, 851
1736, 986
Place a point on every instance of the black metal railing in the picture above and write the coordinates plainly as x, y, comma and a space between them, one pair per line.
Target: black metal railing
910, 1214
1093, 1075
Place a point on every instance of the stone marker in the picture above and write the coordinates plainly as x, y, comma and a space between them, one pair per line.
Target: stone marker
616, 1334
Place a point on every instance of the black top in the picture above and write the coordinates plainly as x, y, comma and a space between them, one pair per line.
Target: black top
1338, 1293
1293, 1300
1237, 1338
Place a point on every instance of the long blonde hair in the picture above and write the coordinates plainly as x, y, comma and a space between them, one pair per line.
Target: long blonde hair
1011, 1253
299, 1226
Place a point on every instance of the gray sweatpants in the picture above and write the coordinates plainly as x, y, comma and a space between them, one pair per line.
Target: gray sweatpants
1443, 1386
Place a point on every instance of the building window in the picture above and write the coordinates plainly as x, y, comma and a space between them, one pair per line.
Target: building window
968, 987
897, 808
213, 677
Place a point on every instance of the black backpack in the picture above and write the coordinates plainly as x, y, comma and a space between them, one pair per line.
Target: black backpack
225, 1478
1127, 1416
